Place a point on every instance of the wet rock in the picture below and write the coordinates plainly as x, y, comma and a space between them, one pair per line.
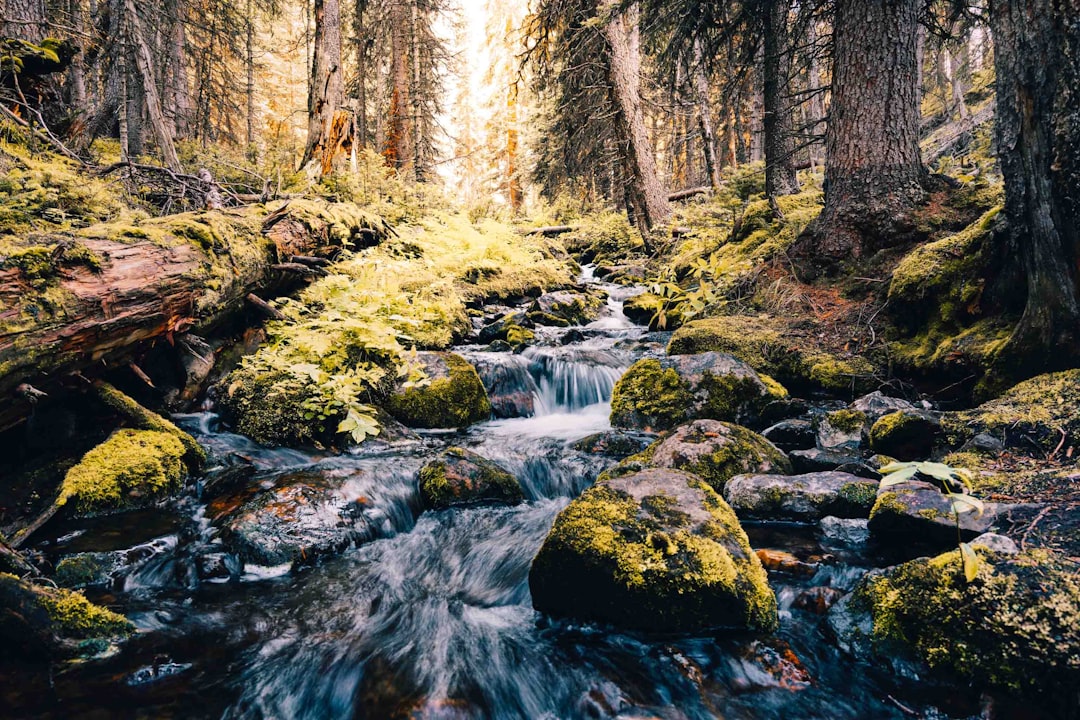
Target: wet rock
564, 308
659, 394
801, 497
877, 404
905, 434
714, 451
453, 397
298, 521
781, 561
817, 600
616, 444
845, 531
842, 430
658, 550
791, 435
509, 383
216, 566
90, 569
505, 326
461, 478
818, 460
921, 511
769, 664
641, 310
852, 628
996, 543
1012, 627
571, 336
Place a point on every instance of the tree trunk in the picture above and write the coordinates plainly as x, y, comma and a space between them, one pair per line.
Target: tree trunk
145, 291
398, 151
1037, 61
705, 125
621, 32
145, 64
780, 175
327, 87
249, 63
24, 20
873, 173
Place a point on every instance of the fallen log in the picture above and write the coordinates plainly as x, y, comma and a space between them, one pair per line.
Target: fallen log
689, 193
550, 230
128, 287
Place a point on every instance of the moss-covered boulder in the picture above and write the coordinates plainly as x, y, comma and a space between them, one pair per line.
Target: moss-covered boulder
564, 308
920, 511
769, 346
842, 430
1012, 627
1038, 410
642, 310
41, 623
461, 478
271, 408
877, 404
801, 497
905, 435
659, 394
452, 397
131, 468
512, 328
657, 551
618, 444
714, 451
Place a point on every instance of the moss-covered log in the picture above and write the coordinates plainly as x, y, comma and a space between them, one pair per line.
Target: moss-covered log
79, 304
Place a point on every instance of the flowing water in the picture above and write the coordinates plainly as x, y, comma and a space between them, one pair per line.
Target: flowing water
428, 615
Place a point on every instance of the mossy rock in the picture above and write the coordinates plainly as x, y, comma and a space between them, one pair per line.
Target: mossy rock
762, 343
1039, 410
131, 468
462, 478
657, 551
564, 308
618, 444
717, 451
454, 396
269, 407
89, 569
808, 497
659, 394
842, 430
921, 512
42, 623
1012, 627
905, 435
643, 310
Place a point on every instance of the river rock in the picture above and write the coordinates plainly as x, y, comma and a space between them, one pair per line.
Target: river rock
616, 444
659, 394
460, 478
509, 385
1012, 627
658, 550
818, 460
921, 511
716, 451
641, 309
905, 434
791, 435
842, 430
453, 397
502, 328
877, 404
801, 497
564, 308
845, 531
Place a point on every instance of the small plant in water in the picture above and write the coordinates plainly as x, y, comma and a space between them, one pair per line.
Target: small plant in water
956, 484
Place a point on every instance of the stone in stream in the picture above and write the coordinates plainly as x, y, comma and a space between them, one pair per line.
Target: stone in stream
661, 393
1013, 627
714, 451
510, 387
564, 308
453, 396
842, 430
641, 310
877, 404
818, 460
618, 444
845, 531
791, 434
461, 478
505, 326
905, 434
921, 511
658, 550
801, 497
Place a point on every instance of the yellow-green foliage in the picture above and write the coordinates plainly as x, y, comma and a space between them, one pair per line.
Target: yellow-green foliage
453, 401
131, 465
661, 557
346, 338
848, 421
604, 238
1013, 626
1038, 409
145, 419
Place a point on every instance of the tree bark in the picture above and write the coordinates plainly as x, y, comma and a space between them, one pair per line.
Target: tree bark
873, 173
327, 87
145, 291
398, 151
145, 64
780, 175
24, 20
1037, 61
624, 71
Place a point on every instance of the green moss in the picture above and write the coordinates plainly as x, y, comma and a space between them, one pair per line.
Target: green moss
1013, 626
650, 390
729, 396
78, 570
269, 407
145, 419
888, 503
454, 401
35, 263
474, 479
129, 465
74, 616
848, 421
862, 495
736, 451
839, 374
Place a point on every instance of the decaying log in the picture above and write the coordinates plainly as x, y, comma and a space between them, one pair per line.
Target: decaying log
689, 193
550, 230
169, 276
264, 307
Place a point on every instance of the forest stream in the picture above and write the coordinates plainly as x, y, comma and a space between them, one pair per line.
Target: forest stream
428, 614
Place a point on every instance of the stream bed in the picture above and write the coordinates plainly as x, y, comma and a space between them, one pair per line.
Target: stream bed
427, 614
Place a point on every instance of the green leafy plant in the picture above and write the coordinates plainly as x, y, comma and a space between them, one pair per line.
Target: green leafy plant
699, 294
955, 483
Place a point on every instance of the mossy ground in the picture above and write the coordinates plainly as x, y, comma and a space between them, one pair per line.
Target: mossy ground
1012, 627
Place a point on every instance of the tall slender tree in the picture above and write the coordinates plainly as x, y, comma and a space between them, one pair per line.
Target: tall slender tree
327, 92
